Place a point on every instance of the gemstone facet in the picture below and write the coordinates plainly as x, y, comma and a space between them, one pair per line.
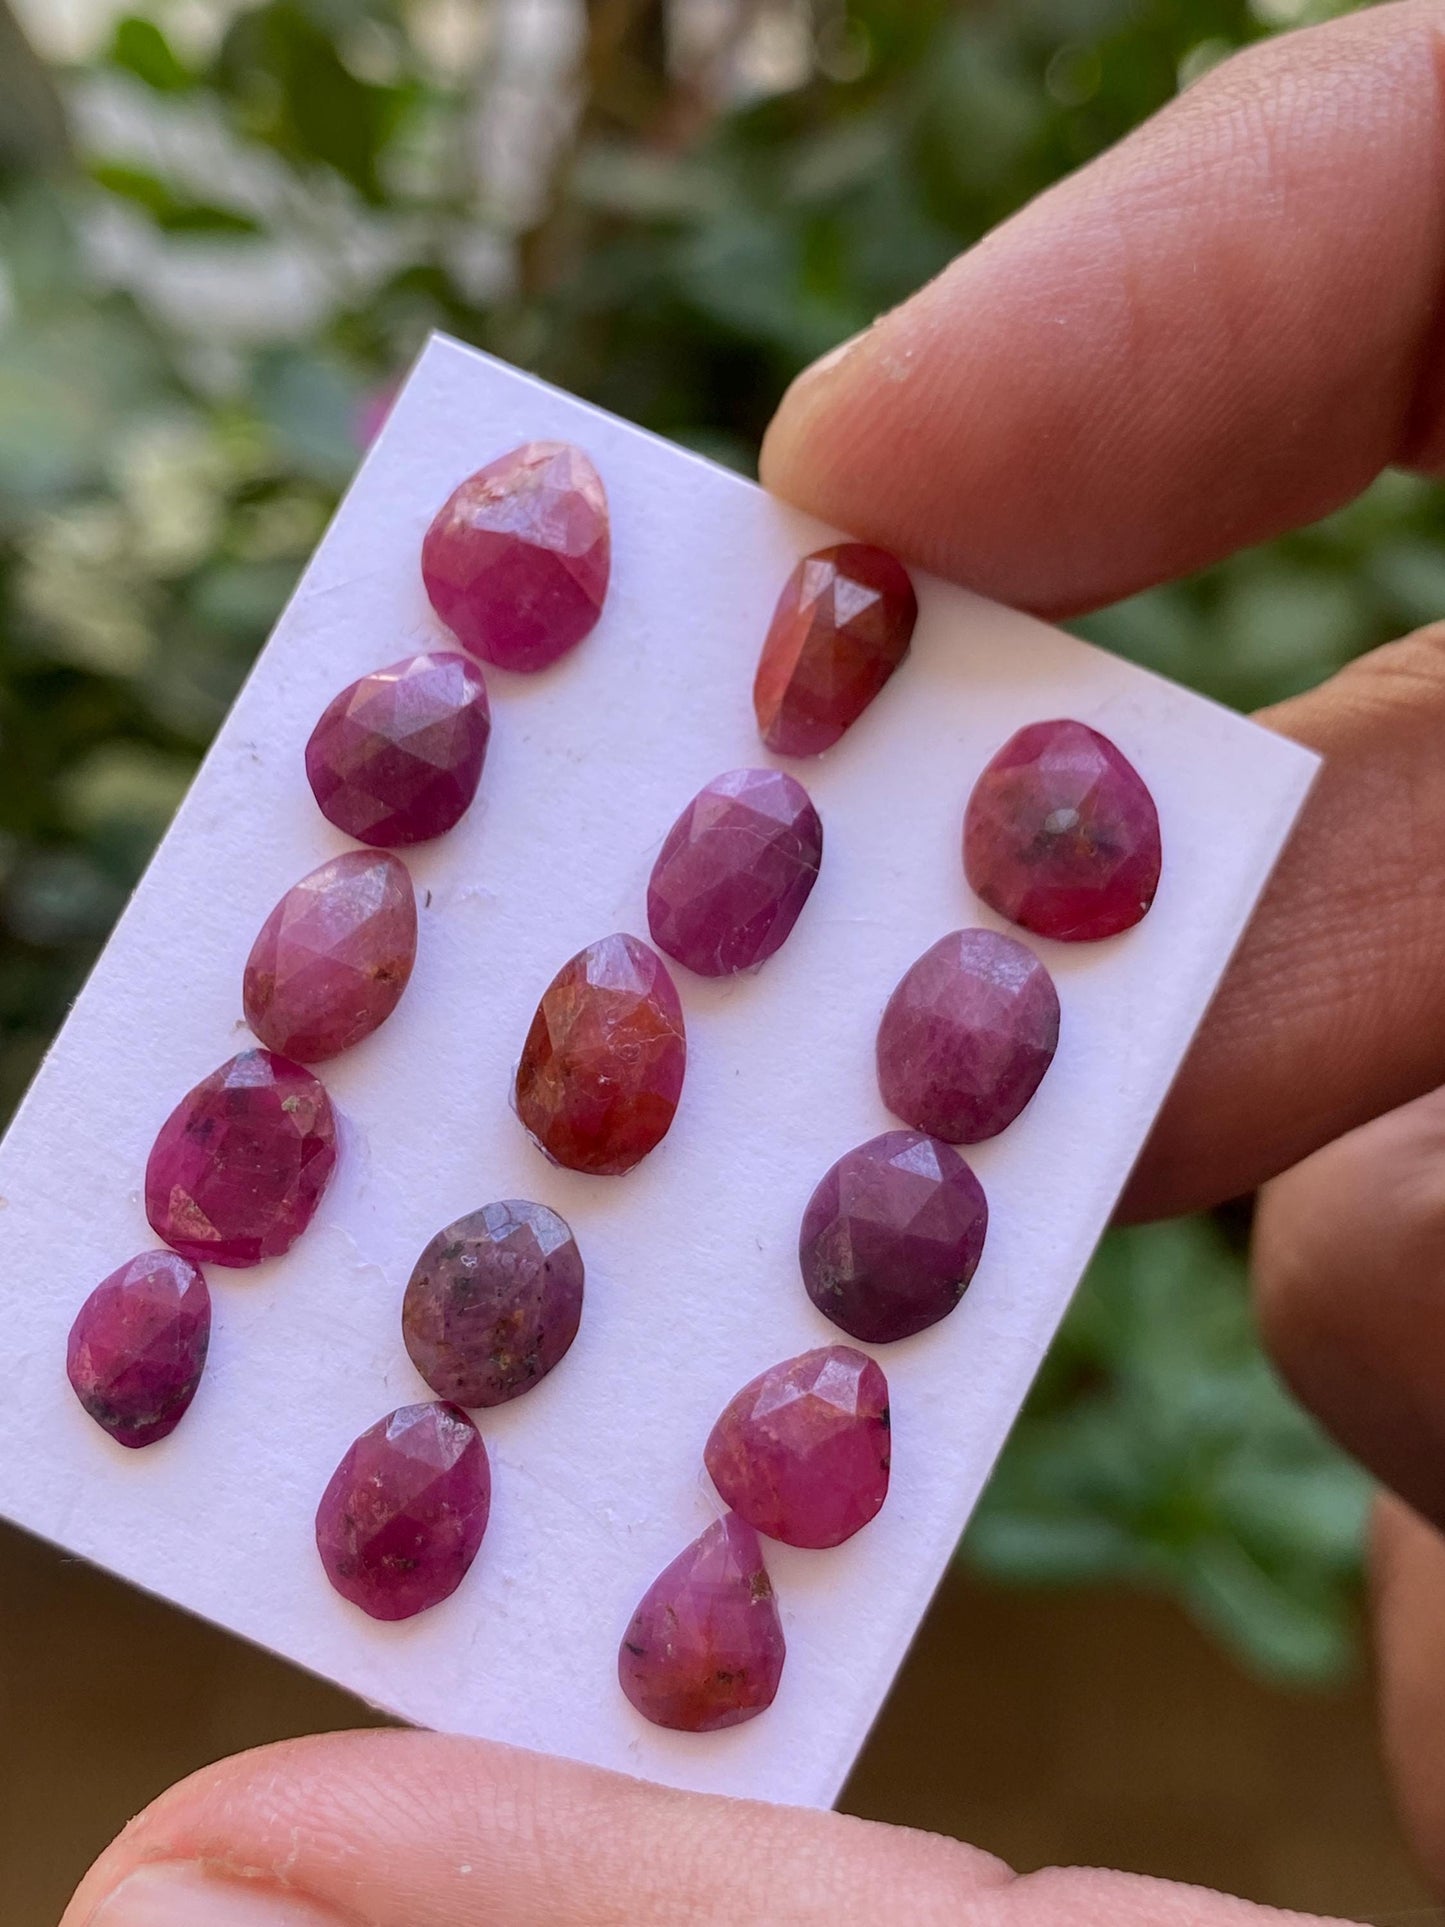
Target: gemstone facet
892, 1236
1062, 836
333, 957
138, 1347
735, 871
239, 1166
705, 1648
396, 757
802, 1453
602, 1067
494, 1303
517, 560
403, 1516
967, 1036
842, 626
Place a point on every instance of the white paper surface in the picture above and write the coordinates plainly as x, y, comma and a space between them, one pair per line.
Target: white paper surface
692, 1277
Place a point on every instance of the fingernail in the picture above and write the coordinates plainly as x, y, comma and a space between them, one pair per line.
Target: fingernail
181, 1896
833, 359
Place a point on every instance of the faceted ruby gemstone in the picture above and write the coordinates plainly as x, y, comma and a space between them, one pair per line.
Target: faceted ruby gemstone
705, 1648
397, 756
333, 957
1061, 835
892, 1236
967, 1036
735, 871
516, 562
494, 1303
403, 1517
802, 1453
842, 626
138, 1347
240, 1164
602, 1067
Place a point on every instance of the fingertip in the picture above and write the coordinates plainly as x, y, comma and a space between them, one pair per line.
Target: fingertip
1211, 333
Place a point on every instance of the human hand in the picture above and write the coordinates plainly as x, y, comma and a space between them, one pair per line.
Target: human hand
1223, 328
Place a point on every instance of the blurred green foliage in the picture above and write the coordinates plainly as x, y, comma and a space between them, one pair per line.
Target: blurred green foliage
221, 252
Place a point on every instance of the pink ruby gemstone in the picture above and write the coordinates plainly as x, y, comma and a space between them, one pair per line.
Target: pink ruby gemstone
1062, 836
239, 1167
602, 1067
735, 871
802, 1453
403, 1517
333, 957
396, 757
138, 1347
967, 1036
705, 1648
892, 1236
843, 624
516, 562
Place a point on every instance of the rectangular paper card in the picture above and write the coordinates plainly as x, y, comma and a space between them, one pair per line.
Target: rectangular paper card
692, 1271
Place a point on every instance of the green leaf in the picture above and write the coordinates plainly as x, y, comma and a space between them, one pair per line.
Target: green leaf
170, 211
140, 48
1286, 1630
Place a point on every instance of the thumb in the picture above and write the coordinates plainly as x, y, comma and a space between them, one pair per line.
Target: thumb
417, 1830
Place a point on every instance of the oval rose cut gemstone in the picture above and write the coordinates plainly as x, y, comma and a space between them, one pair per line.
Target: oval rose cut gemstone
494, 1303
333, 957
892, 1236
802, 1453
396, 757
602, 1067
138, 1347
403, 1517
705, 1648
516, 562
239, 1167
735, 871
967, 1036
842, 626
1062, 836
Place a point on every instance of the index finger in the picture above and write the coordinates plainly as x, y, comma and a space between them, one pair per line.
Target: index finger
1224, 327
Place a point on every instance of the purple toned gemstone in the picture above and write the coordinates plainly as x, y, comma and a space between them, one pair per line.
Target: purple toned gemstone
138, 1347
705, 1648
802, 1453
240, 1164
333, 957
967, 1036
397, 756
735, 871
892, 1236
516, 562
1062, 836
603, 1064
403, 1517
494, 1303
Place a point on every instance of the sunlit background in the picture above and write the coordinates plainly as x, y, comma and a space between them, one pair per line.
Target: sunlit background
224, 231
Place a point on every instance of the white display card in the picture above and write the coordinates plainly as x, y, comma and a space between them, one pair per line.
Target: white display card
692, 1274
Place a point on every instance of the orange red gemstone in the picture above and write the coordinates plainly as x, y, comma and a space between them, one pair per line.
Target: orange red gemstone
602, 1068
842, 626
